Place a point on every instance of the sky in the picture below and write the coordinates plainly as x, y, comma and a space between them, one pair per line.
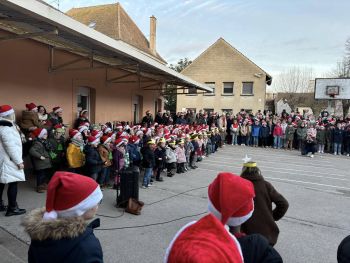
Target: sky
275, 34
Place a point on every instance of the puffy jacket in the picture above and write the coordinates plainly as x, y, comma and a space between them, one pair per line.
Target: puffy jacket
67, 240
170, 155
134, 154
93, 163
301, 133
180, 154
290, 130
75, 156
29, 120
10, 153
277, 131
256, 130
148, 160
321, 136
36, 151
337, 135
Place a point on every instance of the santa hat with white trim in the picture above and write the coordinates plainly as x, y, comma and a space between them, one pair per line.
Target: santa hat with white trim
73, 134
57, 109
71, 195
93, 140
31, 106
105, 139
231, 199
6, 110
39, 133
204, 241
83, 128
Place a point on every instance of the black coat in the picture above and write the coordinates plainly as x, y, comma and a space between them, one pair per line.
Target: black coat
148, 160
93, 161
337, 135
264, 131
70, 242
256, 249
343, 254
160, 153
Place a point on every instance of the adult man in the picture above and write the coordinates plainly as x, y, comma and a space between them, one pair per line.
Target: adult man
148, 119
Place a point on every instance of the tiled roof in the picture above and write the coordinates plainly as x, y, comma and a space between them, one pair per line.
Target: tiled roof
113, 21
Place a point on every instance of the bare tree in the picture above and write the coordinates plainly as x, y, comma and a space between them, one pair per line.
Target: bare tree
295, 80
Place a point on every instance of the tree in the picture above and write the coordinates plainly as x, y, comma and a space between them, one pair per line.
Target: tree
170, 94
295, 80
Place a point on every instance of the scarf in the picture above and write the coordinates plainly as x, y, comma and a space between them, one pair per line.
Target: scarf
78, 143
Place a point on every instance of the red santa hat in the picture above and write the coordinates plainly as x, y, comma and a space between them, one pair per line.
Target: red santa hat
39, 133
119, 142
96, 133
106, 139
6, 110
83, 128
31, 106
70, 195
73, 134
93, 140
134, 139
231, 199
107, 130
57, 109
204, 241
139, 133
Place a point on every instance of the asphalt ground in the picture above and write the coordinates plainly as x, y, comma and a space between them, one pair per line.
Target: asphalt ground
318, 191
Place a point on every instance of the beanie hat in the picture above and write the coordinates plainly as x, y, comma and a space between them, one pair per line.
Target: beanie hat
231, 199
119, 142
73, 134
105, 139
57, 109
6, 110
70, 195
93, 140
30, 106
39, 132
204, 241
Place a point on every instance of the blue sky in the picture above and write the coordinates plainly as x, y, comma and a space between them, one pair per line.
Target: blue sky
275, 34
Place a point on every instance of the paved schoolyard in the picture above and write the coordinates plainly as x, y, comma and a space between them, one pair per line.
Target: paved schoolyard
317, 189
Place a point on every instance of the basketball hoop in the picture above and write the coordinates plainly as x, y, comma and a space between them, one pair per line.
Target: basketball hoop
332, 95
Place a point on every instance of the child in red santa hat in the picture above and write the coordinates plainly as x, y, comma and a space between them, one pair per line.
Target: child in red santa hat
59, 232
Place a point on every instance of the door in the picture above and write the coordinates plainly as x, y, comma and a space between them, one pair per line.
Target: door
83, 100
136, 102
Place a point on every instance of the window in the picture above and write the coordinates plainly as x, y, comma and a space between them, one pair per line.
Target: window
227, 111
192, 109
247, 88
209, 111
211, 85
192, 92
228, 88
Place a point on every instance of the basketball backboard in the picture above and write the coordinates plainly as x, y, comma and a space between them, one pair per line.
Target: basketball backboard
332, 88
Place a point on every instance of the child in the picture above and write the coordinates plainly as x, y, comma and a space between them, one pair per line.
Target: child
234, 130
180, 157
263, 218
200, 146
264, 134
41, 159
133, 148
148, 162
193, 156
290, 130
277, 134
94, 163
160, 159
105, 152
118, 154
75, 152
58, 153
170, 152
188, 150
255, 133
321, 138
59, 232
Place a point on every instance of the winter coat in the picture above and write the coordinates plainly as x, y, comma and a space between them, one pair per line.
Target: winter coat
256, 130
189, 148
180, 155
93, 161
321, 136
329, 134
263, 218
118, 160
256, 249
284, 127
10, 153
36, 151
337, 135
58, 150
148, 160
290, 130
234, 129
67, 240
170, 155
30, 119
277, 131
75, 156
160, 157
244, 130
134, 154
105, 154
343, 253
264, 131
301, 133
54, 119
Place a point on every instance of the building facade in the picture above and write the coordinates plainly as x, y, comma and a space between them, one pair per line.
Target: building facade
238, 83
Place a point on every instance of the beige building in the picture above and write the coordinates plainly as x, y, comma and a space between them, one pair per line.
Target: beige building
238, 83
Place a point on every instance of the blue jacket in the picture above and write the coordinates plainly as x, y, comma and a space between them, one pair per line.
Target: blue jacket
93, 161
67, 240
256, 130
134, 154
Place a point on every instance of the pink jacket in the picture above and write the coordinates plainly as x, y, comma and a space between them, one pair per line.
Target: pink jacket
180, 155
277, 131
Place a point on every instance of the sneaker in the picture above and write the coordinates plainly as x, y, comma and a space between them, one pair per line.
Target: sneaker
348, 155
311, 156
144, 187
335, 153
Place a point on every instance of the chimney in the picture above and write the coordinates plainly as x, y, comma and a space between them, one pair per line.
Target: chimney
152, 37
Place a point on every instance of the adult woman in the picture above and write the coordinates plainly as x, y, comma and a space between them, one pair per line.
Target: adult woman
42, 114
30, 119
83, 118
56, 116
11, 163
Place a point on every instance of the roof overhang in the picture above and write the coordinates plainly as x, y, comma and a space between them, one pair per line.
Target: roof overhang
32, 16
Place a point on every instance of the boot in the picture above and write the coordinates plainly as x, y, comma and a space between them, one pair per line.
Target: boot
159, 179
3, 207
40, 189
15, 211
